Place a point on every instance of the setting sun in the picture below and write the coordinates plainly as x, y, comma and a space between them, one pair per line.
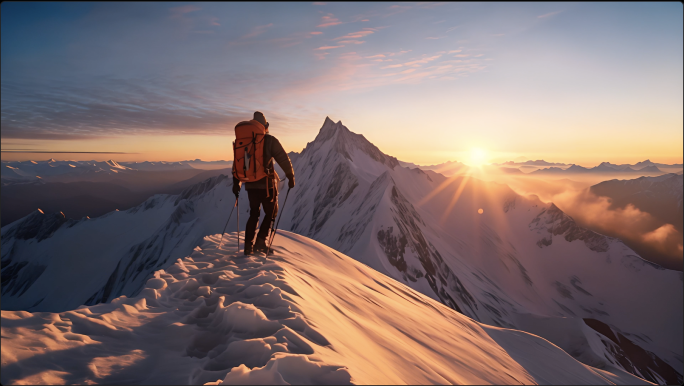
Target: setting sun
478, 157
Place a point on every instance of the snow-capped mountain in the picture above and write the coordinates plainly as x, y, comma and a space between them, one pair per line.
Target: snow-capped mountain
519, 257
447, 168
25, 171
605, 168
477, 247
307, 315
157, 166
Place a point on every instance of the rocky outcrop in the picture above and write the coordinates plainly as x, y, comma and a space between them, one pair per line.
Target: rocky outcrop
553, 222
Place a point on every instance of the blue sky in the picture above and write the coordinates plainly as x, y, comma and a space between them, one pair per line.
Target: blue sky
568, 82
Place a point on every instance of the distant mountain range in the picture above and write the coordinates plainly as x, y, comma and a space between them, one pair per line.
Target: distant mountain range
542, 167
90, 188
539, 162
605, 167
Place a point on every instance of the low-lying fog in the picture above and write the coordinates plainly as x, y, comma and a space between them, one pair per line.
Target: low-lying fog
647, 220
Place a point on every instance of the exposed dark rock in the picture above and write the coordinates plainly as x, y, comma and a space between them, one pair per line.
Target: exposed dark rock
36, 225
575, 282
555, 223
563, 290
635, 359
509, 204
394, 247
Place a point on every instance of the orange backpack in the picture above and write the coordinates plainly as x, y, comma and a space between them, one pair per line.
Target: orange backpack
248, 151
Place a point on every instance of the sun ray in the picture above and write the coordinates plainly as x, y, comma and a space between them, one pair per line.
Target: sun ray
438, 189
454, 199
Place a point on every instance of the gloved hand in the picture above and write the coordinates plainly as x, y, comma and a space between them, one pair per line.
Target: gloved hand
236, 189
290, 182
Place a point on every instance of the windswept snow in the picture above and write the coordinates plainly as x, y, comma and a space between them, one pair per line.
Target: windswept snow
306, 315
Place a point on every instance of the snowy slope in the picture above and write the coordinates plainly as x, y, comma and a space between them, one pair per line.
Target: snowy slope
519, 257
307, 315
96, 260
520, 264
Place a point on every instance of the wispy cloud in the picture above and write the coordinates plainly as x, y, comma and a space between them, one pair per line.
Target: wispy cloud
356, 35
430, 4
435, 37
351, 41
328, 21
177, 12
316, 33
110, 107
549, 14
422, 61
319, 3
329, 47
394, 9
392, 66
258, 30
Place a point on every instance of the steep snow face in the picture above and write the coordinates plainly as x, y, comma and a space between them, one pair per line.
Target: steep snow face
53, 264
519, 257
306, 315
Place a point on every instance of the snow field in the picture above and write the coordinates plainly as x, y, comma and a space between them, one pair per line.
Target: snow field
306, 315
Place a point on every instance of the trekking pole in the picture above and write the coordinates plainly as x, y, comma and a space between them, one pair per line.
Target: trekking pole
238, 223
224, 228
275, 229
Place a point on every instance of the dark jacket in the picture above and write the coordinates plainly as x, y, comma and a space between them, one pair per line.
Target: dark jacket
272, 150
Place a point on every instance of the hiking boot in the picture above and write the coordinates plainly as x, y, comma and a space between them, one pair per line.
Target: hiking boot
260, 245
249, 250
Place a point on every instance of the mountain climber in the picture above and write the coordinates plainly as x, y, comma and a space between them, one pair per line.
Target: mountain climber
264, 190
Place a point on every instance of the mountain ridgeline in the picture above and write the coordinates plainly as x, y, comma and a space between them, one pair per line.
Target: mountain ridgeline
477, 247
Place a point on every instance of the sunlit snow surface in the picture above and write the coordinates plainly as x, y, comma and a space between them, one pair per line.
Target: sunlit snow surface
306, 315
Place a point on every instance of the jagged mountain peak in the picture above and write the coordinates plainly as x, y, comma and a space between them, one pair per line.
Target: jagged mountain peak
346, 142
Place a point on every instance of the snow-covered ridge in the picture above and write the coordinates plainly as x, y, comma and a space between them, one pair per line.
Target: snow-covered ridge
307, 315
104, 257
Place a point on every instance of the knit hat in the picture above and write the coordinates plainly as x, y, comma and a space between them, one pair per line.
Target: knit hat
259, 117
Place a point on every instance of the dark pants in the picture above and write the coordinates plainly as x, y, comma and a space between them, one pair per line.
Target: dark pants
257, 198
